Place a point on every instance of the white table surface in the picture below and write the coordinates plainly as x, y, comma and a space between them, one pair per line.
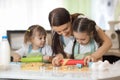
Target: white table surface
16, 73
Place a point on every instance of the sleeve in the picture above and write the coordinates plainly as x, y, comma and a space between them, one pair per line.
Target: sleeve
47, 50
68, 48
96, 46
21, 51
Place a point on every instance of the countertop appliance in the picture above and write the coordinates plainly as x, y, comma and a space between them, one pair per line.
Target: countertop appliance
113, 35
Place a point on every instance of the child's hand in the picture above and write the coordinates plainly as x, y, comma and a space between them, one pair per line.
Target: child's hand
56, 60
88, 59
16, 57
46, 58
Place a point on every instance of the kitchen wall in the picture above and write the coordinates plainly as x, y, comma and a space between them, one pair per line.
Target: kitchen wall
79, 6
117, 10
20, 14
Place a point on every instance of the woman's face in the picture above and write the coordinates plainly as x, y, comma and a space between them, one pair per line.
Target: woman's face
64, 29
82, 37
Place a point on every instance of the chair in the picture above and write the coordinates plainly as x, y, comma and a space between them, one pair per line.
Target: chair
16, 38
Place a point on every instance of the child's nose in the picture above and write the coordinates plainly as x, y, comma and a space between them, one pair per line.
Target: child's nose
43, 39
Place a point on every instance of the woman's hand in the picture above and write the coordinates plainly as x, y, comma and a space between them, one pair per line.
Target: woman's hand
89, 58
56, 60
16, 57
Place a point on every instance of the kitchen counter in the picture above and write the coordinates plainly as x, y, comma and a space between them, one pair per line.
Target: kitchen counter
15, 72
115, 52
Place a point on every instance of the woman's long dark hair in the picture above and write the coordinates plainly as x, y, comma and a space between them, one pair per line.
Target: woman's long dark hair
85, 25
57, 17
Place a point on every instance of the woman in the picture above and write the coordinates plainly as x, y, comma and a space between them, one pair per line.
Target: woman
61, 23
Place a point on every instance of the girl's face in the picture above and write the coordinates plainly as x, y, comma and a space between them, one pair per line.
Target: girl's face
64, 29
38, 41
82, 37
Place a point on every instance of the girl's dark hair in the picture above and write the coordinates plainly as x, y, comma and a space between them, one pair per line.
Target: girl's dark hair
75, 16
31, 32
85, 25
57, 17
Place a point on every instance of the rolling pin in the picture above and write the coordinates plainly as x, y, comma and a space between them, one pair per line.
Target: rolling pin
32, 59
71, 62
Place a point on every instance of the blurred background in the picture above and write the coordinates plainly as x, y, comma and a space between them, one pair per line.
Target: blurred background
17, 15
20, 14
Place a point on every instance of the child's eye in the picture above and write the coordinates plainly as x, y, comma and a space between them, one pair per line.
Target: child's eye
40, 38
44, 37
82, 39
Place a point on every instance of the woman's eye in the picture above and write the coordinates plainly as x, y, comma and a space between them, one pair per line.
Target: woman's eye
58, 32
65, 29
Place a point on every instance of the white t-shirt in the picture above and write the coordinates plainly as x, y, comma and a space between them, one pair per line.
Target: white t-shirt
67, 39
83, 48
23, 51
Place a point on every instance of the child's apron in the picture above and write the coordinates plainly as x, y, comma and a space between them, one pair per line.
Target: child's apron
78, 55
30, 54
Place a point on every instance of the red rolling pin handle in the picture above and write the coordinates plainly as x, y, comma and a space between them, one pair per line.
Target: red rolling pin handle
73, 62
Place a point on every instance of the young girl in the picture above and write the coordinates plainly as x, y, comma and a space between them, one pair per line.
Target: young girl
34, 44
86, 41
61, 23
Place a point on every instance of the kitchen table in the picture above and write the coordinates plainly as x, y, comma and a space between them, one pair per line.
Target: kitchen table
15, 72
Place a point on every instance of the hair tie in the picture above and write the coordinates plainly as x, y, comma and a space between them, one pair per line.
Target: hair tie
28, 30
